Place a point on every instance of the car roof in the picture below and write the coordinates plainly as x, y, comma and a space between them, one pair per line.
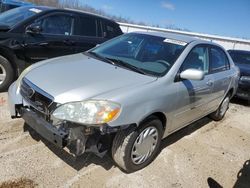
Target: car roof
44, 8
85, 12
47, 8
240, 51
179, 37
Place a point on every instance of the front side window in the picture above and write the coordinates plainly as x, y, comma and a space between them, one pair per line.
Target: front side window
56, 25
86, 26
218, 60
151, 54
197, 59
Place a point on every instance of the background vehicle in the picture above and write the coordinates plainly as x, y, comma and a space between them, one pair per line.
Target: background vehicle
10, 4
242, 60
31, 33
125, 95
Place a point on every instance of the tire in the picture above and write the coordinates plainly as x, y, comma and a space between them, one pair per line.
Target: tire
6, 74
127, 140
221, 111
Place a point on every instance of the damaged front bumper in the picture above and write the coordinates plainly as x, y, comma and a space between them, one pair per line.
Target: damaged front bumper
75, 138
78, 139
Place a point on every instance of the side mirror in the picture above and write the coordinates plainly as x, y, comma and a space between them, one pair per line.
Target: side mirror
192, 74
34, 29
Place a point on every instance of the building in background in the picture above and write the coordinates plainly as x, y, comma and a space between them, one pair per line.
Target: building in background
226, 42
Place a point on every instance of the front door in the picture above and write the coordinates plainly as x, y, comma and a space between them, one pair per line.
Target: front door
54, 40
193, 96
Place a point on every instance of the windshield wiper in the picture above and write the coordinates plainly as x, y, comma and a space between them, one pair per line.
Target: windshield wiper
118, 62
127, 65
100, 57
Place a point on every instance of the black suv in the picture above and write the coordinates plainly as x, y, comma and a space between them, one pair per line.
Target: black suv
33, 33
242, 60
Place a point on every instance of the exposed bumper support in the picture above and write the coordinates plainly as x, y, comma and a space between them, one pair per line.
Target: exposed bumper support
42, 127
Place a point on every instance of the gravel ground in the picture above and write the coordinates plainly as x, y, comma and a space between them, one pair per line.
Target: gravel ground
204, 154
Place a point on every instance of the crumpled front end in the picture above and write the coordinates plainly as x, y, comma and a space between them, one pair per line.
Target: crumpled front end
36, 106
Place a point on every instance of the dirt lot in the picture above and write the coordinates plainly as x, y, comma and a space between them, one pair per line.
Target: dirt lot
205, 154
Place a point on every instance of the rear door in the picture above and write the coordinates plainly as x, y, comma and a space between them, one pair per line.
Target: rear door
87, 33
220, 69
54, 40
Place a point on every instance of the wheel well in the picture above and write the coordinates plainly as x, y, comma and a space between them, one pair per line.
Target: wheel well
9, 57
161, 117
230, 92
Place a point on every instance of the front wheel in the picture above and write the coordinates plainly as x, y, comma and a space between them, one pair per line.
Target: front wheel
6, 74
132, 150
221, 111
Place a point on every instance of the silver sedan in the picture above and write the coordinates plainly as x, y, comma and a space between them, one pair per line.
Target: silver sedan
125, 95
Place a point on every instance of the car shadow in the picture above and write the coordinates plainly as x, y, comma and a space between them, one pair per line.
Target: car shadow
184, 132
106, 162
243, 178
236, 100
75, 162
212, 183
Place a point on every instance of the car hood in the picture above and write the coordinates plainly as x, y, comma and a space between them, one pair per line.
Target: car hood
244, 69
79, 77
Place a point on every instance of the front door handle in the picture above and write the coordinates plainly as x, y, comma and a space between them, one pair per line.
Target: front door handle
210, 83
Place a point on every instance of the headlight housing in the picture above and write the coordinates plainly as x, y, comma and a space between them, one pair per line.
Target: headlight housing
88, 112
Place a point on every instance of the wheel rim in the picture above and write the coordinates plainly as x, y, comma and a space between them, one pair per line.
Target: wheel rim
224, 106
2, 74
144, 145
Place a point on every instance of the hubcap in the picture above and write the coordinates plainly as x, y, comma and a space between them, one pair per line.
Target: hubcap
144, 145
2, 74
224, 106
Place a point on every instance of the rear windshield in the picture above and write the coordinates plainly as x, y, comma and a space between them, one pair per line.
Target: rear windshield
17, 15
240, 57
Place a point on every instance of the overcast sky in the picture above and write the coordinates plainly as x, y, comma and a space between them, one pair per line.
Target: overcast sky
221, 17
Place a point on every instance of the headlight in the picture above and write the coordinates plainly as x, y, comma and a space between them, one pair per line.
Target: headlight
88, 112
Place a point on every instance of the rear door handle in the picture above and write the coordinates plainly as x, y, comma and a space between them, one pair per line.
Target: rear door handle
210, 83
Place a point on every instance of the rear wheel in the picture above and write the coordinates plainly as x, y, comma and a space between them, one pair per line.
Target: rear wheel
6, 74
221, 111
132, 150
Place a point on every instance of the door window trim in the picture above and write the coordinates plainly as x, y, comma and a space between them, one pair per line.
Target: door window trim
177, 77
57, 13
210, 59
96, 26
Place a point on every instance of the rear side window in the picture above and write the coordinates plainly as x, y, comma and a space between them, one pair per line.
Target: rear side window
218, 60
56, 24
111, 30
197, 59
85, 26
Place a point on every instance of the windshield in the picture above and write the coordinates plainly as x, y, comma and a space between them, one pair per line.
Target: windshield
241, 58
148, 54
17, 15
5, 7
